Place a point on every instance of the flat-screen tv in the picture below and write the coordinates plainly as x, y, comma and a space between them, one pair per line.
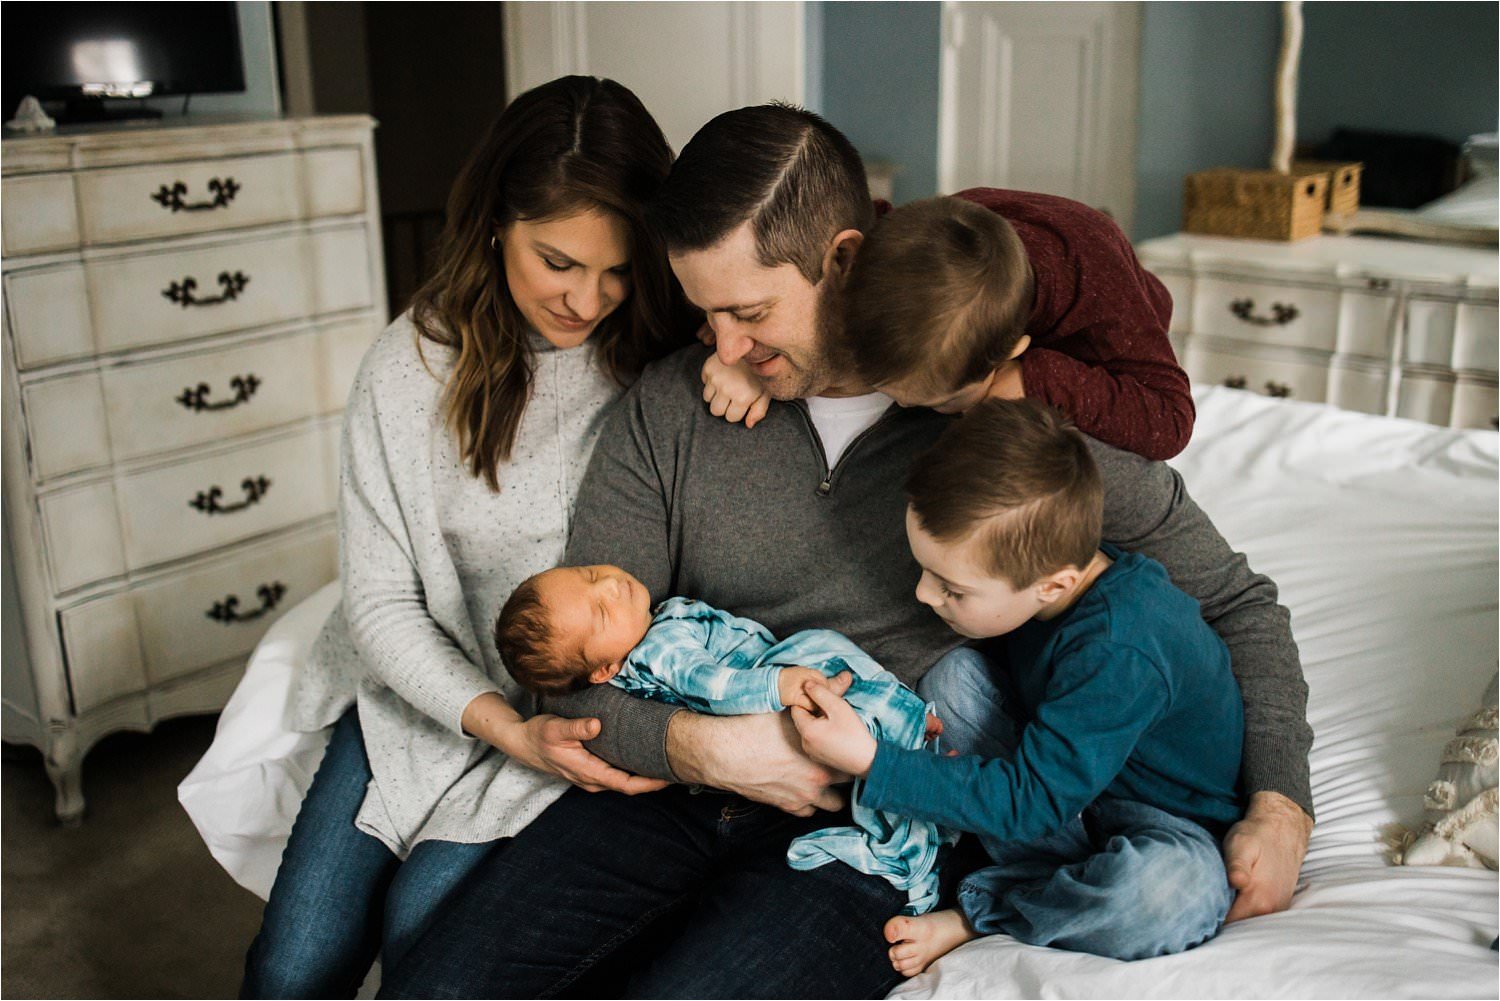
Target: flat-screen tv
96, 55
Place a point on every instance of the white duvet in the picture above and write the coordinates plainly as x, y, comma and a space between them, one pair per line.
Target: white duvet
1383, 537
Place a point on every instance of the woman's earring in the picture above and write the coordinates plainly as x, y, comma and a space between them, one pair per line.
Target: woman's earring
494, 243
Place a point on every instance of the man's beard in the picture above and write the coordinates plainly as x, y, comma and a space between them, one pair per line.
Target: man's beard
823, 365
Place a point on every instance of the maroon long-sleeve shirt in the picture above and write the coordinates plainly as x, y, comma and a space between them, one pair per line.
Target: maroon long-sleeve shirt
1099, 349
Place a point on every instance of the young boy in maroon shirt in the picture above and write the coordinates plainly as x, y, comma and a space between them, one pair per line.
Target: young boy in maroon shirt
1009, 294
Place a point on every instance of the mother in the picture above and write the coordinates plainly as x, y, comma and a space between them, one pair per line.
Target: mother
466, 434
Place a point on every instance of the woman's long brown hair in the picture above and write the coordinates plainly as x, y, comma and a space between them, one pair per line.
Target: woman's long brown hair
571, 145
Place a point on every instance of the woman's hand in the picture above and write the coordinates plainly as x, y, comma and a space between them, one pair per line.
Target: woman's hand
550, 744
836, 736
734, 392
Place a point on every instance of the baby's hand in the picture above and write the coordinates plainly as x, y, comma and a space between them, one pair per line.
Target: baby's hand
734, 392
792, 684
934, 727
832, 734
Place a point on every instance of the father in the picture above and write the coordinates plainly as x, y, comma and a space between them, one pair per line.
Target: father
796, 523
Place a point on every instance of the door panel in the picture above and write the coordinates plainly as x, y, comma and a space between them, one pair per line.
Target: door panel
1042, 97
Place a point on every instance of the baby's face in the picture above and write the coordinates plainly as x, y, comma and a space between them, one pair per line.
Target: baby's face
602, 608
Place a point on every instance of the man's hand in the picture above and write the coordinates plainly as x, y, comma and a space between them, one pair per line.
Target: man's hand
1263, 854
760, 757
734, 392
836, 736
550, 744
791, 686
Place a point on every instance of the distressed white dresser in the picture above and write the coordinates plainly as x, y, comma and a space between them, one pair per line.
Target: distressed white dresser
184, 310
1382, 326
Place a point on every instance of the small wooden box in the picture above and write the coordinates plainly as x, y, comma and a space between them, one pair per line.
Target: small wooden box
1260, 204
1343, 182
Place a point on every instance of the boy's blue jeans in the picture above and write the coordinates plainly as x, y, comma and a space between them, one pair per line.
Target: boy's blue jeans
1123, 879
341, 896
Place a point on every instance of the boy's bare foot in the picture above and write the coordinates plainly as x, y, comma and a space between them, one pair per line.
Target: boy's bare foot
917, 942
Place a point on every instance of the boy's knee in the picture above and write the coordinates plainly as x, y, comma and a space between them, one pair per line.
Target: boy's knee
956, 678
1177, 898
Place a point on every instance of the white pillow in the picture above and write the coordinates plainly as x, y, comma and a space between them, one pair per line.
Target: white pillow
1461, 826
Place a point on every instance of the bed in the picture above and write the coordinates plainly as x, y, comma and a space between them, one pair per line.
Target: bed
1382, 534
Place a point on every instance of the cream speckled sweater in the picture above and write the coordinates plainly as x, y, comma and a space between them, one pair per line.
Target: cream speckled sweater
428, 553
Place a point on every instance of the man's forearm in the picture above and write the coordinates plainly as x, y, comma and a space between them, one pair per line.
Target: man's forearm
633, 735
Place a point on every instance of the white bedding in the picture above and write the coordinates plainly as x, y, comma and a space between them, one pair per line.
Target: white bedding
1383, 537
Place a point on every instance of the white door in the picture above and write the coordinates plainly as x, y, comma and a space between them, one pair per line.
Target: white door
687, 62
1042, 97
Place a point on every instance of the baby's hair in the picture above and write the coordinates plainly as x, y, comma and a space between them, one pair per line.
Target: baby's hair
938, 297
1022, 476
530, 647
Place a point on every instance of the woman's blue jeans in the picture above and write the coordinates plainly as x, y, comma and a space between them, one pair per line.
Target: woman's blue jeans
1123, 879
341, 897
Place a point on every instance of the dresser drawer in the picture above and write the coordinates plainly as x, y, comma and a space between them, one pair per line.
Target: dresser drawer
1358, 387
1215, 364
40, 214
1426, 396
47, 312
190, 196
160, 297
1476, 404
137, 409
1476, 338
1265, 313
205, 617
101, 645
188, 621
1366, 323
153, 516
198, 505
164, 297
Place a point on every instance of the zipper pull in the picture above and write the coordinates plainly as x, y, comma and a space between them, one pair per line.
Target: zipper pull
825, 487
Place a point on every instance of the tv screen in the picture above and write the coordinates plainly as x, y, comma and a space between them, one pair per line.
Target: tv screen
101, 50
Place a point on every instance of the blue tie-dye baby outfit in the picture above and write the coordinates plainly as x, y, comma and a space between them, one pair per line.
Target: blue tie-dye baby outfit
697, 656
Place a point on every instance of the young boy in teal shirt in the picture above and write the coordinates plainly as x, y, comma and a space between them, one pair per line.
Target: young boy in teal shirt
1098, 764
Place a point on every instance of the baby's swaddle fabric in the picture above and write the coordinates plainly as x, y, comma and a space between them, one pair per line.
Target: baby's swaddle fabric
710, 661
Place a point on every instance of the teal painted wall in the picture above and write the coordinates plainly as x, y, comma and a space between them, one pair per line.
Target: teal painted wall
879, 84
1399, 67
1207, 99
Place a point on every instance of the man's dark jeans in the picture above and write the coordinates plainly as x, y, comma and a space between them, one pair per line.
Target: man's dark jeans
595, 870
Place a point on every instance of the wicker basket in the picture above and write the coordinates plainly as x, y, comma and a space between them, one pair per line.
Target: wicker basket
1343, 182
1261, 204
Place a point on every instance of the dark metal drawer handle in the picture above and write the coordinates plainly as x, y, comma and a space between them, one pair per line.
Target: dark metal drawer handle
207, 501
1236, 382
228, 610
233, 283
195, 398
170, 196
1282, 313
1280, 390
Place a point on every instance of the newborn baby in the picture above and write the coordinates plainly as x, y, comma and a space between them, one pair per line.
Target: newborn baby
567, 628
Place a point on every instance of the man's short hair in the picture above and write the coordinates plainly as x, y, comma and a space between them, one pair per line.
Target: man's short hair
1021, 477
531, 649
797, 179
939, 295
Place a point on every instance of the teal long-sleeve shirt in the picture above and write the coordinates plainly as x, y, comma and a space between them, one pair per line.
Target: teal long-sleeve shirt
1128, 693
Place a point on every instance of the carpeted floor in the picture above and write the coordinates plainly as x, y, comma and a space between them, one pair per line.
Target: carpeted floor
130, 904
